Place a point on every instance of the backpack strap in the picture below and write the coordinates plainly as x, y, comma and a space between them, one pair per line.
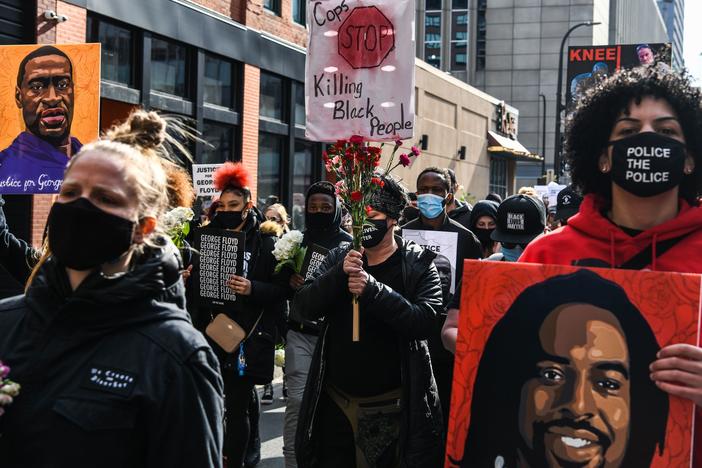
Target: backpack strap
644, 258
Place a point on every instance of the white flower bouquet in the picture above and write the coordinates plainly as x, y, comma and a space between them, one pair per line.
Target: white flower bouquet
290, 252
279, 358
8, 388
176, 223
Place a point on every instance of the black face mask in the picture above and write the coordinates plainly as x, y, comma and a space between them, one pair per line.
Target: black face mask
227, 220
320, 220
483, 236
647, 164
82, 236
374, 233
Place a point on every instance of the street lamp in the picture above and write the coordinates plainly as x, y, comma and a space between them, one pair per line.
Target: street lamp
559, 103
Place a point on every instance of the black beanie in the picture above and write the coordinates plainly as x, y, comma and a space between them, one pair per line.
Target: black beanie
324, 187
391, 199
483, 208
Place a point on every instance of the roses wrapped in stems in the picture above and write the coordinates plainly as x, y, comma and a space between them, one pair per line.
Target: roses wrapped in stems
354, 163
8, 388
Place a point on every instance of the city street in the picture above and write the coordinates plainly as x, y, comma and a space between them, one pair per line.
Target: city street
271, 426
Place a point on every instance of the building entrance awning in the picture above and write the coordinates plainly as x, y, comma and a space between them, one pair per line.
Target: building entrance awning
504, 147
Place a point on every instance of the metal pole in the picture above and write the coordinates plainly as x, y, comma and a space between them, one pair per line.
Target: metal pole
543, 134
559, 103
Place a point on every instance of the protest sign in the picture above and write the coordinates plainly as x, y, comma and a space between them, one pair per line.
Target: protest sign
39, 135
221, 256
202, 179
552, 366
314, 257
444, 245
360, 70
588, 65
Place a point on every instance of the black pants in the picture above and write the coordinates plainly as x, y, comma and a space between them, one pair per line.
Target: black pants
337, 447
237, 397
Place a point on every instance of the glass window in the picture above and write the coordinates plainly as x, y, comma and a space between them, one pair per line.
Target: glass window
168, 67
272, 5
300, 104
218, 82
432, 39
270, 155
301, 180
117, 52
433, 5
498, 176
271, 97
459, 41
220, 147
480, 37
460, 4
299, 12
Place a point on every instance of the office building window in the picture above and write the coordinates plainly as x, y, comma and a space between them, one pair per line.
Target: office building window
432, 5
432, 38
271, 97
272, 5
498, 176
459, 39
480, 35
220, 143
270, 155
459, 4
169, 66
299, 90
217, 85
299, 12
117, 52
301, 180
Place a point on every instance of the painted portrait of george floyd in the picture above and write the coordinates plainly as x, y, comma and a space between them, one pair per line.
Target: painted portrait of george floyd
552, 368
49, 104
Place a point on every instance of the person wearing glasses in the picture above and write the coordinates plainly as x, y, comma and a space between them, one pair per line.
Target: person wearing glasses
278, 214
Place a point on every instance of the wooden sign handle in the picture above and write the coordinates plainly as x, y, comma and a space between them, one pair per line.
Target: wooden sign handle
356, 336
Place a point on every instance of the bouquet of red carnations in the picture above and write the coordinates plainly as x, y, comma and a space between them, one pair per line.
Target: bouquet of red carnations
354, 163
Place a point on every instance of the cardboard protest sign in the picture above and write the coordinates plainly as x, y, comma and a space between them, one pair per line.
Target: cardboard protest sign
588, 65
314, 257
552, 366
444, 245
49, 107
202, 179
221, 256
360, 69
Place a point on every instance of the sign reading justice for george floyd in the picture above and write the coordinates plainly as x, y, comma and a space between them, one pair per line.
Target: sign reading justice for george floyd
360, 69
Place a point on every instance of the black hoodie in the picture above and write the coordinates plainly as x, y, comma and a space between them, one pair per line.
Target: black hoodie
112, 374
330, 238
461, 214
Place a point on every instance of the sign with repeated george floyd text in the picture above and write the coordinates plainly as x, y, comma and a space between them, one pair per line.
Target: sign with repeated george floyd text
360, 69
221, 256
314, 257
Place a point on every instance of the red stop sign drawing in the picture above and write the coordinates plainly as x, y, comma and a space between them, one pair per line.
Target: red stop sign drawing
366, 37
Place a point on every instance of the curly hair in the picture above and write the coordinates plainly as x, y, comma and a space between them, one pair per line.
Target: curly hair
589, 126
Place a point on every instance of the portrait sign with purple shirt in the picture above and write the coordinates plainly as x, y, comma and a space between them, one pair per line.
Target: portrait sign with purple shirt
49, 107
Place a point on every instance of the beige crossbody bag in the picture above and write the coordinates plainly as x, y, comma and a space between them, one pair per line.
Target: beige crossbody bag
227, 333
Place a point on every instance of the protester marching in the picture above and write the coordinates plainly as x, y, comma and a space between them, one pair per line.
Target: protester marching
288, 234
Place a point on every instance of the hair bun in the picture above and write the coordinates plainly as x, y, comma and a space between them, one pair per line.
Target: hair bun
146, 130
231, 175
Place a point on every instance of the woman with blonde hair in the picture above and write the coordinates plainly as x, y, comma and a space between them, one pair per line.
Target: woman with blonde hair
101, 343
278, 214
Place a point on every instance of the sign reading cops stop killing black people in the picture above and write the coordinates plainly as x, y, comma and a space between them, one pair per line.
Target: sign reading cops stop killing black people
221, 256
360, 70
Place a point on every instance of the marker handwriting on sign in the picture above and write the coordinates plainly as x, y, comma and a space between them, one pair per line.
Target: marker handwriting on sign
336, 85
322, 17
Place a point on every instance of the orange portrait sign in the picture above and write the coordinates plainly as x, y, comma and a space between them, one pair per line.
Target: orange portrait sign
552, 367
49, 108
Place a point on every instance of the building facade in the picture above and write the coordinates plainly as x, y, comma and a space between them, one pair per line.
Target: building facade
513, 51
673, 13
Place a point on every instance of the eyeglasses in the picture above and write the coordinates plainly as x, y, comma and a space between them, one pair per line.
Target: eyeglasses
275, 220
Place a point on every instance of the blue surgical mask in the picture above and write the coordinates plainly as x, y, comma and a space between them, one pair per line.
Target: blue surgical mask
512, 255
431, 206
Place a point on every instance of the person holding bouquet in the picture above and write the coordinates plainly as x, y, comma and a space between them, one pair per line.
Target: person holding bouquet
323, 227
111, 369
259, 301
372, 402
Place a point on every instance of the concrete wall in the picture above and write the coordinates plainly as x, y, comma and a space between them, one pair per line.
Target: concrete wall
453, 114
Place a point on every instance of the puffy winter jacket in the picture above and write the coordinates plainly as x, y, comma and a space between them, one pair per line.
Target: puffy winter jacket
412, 318
112, 374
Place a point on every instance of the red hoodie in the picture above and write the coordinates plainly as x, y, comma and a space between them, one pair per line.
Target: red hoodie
590, 239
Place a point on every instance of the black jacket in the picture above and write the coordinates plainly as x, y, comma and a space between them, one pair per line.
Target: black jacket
267, 299
412, 318
461, 214
16, 256
112, 374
